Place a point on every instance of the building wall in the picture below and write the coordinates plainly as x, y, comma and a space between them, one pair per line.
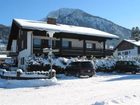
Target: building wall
14, 46
128, 52
79, 43
75, 42
25, 53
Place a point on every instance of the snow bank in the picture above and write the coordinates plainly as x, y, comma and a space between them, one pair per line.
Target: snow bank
27, 83
126, 100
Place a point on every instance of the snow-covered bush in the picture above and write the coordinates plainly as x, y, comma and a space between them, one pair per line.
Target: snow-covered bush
105, 64
42, 63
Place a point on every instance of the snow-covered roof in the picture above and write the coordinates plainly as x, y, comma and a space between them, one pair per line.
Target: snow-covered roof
43, 26
137, 43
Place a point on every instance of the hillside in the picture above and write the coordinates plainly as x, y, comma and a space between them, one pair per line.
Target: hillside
4, 32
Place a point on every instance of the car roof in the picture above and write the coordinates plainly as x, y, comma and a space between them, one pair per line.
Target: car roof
83, 61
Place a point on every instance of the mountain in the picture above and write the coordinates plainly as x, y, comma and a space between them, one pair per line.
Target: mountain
4, 32
78, 17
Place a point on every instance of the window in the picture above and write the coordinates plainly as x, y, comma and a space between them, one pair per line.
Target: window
22, 61
22, 44
89, 45
37, 42
126, 53
53, 43
66, 44
93, 46
119, 53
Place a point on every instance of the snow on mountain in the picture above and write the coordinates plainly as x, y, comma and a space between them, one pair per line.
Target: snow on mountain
80, 18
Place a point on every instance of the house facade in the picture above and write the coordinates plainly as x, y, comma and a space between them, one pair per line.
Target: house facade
31, 37
128, 48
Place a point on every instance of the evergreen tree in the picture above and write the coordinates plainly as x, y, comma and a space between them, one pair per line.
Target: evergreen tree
135, 33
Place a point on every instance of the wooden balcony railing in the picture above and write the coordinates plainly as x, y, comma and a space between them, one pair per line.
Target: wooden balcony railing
80, 52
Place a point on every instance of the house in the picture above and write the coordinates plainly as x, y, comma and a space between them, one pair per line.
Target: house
128, 48
29, 37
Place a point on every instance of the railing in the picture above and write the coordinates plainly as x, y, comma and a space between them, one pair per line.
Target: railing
87, 52
80, 52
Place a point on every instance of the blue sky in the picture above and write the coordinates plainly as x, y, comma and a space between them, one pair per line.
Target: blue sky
123, 12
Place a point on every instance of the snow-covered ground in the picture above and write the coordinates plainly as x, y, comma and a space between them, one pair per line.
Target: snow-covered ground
102, 89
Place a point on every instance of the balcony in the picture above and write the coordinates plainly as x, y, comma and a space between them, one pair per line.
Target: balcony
87, 52
79, 52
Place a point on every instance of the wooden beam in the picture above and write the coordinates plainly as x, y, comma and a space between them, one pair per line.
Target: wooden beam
60, 46
84, 47
104, 43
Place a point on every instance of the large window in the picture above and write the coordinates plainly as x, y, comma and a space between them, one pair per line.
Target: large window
91, 46
22, 61
66, 44
37, 42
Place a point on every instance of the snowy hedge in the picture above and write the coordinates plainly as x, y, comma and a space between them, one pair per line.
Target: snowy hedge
102, 64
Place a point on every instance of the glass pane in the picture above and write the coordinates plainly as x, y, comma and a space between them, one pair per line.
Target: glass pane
88, 45
37, 42
65, 43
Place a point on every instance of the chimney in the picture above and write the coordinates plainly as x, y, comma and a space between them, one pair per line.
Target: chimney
51, 20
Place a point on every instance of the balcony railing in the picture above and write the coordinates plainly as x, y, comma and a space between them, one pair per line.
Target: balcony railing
80, 52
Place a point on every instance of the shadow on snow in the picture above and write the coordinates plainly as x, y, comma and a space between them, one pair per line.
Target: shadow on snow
125, 77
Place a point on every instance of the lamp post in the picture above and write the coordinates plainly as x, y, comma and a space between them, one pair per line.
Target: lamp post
51, 33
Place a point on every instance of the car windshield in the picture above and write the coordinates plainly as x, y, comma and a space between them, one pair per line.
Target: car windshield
135, 63
86, 64
74, 64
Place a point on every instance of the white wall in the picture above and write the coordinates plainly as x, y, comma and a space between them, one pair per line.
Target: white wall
131, 52
26, 52
79, 43
14, 46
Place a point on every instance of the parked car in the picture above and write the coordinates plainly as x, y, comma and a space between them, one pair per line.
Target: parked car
127, 66
80, 68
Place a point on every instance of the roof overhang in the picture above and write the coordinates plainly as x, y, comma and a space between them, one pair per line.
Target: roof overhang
59, 28
66, 31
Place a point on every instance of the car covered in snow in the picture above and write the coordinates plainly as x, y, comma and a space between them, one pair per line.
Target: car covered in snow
80, 68
127, 66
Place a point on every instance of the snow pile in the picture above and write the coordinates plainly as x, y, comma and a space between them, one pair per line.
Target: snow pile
34, 60
27, 83
105, 64
59, 64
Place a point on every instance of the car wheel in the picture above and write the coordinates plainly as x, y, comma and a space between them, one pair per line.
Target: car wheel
118, 71
133, 72
77, 75
66, 73
90, 75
